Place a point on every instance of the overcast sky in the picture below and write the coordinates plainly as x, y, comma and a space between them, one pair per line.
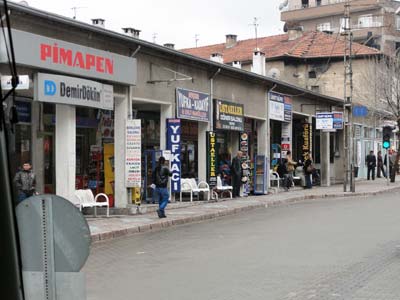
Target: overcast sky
176, 21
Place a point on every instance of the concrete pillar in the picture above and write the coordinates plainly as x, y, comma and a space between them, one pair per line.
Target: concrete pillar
202, 151
120, 117
166, 112
37, 147
65, 151
325, 159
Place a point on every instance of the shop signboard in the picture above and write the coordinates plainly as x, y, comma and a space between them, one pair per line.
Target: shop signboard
245, 161
329, 121
192, 105
229, 116
280, 107
24, 111
285, 139
212, 152
73, 91
133, 153
57, 55
174, 145
23, 82
307, 131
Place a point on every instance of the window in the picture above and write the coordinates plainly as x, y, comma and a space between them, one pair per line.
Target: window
312, 74
398, 22
315, 88
324, 26
369, 21
304, 3
319, 2
344, 24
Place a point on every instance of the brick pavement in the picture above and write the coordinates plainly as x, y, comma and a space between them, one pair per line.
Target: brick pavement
182, 213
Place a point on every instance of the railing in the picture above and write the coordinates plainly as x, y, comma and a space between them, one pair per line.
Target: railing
316, 4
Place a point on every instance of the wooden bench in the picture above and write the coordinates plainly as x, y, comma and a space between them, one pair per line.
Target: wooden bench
87, 199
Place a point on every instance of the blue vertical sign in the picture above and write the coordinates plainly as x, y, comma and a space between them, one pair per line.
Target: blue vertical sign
174, 145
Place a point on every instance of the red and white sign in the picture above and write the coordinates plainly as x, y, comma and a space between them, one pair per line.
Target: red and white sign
133, 153
57, 55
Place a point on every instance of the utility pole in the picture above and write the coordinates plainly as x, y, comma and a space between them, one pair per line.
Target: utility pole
255, 24
196, 38
75, 8
348, 139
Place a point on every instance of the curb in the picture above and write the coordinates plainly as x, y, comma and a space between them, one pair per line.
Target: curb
163, 224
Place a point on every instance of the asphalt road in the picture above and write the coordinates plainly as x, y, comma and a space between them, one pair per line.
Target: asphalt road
325, 249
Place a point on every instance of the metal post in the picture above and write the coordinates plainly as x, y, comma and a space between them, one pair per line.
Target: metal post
387, 167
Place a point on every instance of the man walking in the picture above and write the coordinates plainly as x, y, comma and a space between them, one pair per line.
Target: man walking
236, 174
25, 182
160, 183
392, 165
371, 164
380, 166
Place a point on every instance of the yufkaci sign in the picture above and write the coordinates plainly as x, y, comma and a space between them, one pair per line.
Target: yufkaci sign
192, 105
133, 153
307, 135
73, 91
57, 55
174, 145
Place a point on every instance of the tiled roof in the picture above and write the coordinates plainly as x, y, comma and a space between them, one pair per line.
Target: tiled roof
313, 44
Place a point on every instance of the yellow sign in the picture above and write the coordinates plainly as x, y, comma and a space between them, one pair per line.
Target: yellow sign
109, 169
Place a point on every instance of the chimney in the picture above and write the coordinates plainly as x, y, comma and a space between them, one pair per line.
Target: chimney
217, 57
132, 32
295, 33
98, 22
231, 40
258, 63
169, 45
237, 64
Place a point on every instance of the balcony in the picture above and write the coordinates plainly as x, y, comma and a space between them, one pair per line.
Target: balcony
326, 8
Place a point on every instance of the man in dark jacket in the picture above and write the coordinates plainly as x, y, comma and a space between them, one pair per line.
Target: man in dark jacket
236, 171
25, 182
371, 164
160, 184
380, 168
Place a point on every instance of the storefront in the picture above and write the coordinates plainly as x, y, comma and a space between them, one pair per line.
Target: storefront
280, 115
67, 127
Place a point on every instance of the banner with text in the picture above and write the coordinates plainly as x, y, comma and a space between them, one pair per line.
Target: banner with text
229, 116
133, 153
307, 134
212, 152
280, 107
192, 105
174, 145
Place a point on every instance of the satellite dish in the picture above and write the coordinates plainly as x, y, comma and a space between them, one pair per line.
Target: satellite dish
274, 73
24, 3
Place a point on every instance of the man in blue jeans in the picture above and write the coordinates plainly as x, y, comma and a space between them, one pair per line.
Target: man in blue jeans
160, 182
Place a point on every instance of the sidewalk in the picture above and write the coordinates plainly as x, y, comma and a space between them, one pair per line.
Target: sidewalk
181, 213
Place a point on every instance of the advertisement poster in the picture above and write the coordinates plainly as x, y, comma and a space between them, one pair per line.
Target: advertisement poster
108, 161
174, 145
212, 159
229, 116
306, 147
192, 105
280, 107
286, 140
133, 153
329, 121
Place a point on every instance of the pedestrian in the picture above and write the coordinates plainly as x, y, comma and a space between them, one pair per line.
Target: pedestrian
25, 182
290, 167
160, 183
308, 169
236, 173
282, 171
371, 164
380, 166
392, 165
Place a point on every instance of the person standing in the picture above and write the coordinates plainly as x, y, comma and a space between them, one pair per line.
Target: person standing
25, 182
308, 169
290, 167
371, 164
392, 165
236, 174
160, 185
380, 165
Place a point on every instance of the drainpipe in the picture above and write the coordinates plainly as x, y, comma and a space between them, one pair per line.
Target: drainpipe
211, 99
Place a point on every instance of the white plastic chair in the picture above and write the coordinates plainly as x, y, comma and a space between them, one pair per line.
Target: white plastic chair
221, 189
87, 199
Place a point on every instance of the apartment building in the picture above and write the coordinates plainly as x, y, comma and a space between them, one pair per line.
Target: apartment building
375, 23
